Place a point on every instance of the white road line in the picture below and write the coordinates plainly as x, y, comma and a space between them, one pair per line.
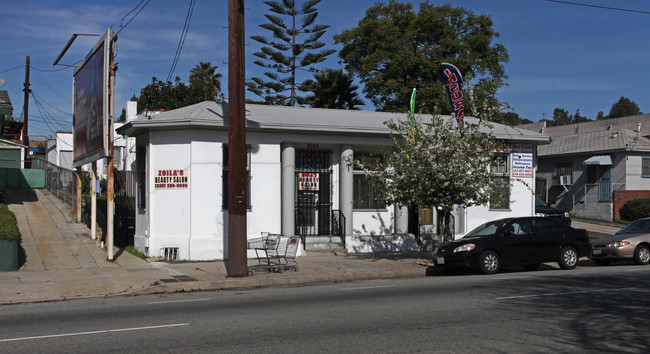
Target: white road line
175, 301
514, 277
93, 332
369, 287
558, 294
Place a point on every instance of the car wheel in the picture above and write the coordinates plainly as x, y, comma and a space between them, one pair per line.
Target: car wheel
531, 266
568, 258
489, 262
642, 255
602, 262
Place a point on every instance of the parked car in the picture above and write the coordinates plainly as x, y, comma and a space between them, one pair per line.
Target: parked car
542, 209
631, 242
526, 241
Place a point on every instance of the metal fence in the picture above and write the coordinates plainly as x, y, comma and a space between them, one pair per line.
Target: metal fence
60, 181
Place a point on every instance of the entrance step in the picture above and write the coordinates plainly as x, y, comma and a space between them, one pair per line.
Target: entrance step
324, 244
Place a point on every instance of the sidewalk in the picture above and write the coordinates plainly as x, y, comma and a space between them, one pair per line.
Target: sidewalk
61, 261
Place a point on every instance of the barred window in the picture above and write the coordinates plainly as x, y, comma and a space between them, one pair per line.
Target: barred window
501, 171
645, 166
224, 178
364, 193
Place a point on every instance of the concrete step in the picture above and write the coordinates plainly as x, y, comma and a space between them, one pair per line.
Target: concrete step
325, 245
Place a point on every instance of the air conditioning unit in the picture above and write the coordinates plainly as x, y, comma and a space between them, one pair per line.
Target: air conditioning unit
566, 180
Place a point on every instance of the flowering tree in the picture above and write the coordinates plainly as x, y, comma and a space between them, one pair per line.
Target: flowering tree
437, 164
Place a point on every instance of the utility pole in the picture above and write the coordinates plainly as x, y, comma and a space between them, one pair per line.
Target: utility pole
110, 202
237, 205
26, 112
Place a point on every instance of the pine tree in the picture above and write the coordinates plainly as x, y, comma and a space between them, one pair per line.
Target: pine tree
332, 89
286, 53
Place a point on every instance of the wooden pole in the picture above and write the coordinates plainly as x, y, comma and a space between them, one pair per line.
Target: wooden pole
26, 111
110, 203
237, 205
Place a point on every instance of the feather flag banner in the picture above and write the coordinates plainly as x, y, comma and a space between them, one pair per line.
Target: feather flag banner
413, 103
453, 81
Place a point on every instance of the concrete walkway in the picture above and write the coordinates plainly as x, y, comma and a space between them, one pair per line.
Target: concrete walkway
61, 261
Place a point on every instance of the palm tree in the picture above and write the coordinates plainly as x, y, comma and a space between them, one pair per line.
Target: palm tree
205, 82
332, 89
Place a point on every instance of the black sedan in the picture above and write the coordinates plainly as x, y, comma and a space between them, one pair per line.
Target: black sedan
527, 241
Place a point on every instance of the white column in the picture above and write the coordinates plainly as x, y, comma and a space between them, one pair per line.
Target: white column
346, 188
288, 188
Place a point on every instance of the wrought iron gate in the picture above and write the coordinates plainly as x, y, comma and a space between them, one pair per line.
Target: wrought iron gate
313, 183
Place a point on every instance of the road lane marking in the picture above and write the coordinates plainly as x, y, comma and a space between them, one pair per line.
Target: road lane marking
175, 301
565, 293
93, 332
513, 277
369, 287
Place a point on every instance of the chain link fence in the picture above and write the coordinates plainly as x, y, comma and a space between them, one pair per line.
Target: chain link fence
60, 181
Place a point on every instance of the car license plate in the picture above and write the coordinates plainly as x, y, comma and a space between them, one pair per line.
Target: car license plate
596, 251
440, 260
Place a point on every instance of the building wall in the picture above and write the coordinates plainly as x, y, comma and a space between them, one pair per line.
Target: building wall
621, 197
192, 219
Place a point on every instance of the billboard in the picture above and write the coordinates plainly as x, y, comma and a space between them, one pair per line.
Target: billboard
90, 103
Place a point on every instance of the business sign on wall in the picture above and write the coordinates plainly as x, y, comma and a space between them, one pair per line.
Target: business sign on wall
90, 103
308, 181
522, 160
171, 179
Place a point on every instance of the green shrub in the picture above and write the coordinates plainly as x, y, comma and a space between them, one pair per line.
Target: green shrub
135, 252
8, 225
3, 193
635, 209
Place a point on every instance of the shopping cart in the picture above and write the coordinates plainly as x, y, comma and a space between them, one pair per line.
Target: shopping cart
264, 247
285, 253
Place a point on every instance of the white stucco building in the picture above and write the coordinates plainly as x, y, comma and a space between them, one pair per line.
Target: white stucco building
299, 180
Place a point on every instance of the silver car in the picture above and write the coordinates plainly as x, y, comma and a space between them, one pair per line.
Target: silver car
631, 242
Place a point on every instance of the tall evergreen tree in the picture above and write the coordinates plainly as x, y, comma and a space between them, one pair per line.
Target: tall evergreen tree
332, 89
288, 51
624, 108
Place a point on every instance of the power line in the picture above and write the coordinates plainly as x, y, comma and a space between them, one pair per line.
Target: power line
134, 16
181, 41
14, 68
599, 7
55, 91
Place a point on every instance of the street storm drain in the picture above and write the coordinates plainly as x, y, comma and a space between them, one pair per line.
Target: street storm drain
178, 278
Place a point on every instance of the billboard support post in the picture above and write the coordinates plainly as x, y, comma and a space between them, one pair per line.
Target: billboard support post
93, 201
110, 202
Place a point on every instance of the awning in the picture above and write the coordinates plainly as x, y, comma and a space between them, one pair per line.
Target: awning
599, 160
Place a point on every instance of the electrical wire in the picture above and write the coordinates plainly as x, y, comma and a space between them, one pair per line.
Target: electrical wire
14, 68
599, 7
55, 108
181, 41
132, 18
58, 93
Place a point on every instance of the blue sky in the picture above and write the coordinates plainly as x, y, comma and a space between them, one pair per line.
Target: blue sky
567, 56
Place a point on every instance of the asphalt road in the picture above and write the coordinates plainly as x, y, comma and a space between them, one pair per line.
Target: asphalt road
589, 309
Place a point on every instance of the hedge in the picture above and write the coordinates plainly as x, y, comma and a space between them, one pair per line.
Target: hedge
8, 225
635, 209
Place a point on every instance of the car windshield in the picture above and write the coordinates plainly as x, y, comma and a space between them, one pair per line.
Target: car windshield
540, 202
636, 227
486, 229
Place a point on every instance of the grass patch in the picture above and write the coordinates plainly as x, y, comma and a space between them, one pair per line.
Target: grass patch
135, 252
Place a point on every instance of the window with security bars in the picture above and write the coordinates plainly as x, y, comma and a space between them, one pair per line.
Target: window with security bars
645, 167
563, 169
501, 171
364, 193
224, 178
